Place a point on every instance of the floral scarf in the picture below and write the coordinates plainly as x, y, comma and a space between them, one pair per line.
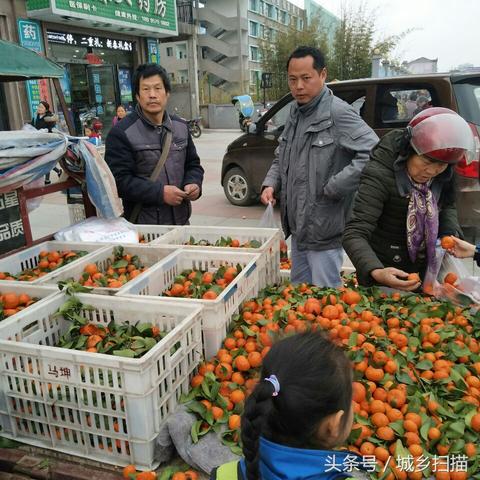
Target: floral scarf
422, 221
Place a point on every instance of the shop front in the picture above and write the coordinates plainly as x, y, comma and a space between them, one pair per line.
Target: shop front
98, 73
100, 43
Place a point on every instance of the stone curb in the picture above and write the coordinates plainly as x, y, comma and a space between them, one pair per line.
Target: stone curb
18, 465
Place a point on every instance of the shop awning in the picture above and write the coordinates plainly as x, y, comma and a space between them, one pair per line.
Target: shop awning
19, 63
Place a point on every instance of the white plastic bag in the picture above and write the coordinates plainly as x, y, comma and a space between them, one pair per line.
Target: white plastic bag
94, 229
465, 290
268, 218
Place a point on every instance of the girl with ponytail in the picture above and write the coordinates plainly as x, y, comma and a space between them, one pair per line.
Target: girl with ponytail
299, 411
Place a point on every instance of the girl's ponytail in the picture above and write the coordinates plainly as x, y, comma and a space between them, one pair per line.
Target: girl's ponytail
256, 408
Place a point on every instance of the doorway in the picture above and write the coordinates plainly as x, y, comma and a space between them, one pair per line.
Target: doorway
4, 123
103, 93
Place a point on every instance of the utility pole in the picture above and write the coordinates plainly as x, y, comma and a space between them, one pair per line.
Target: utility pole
193, 63
240, 48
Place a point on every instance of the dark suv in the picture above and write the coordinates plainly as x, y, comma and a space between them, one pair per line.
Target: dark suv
384, 103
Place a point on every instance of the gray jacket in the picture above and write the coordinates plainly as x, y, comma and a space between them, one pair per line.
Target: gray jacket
133, 149
317, 167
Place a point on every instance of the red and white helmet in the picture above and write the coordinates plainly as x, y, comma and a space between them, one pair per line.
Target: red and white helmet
441, 134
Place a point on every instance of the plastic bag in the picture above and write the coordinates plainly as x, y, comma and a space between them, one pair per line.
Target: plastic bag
464, 291
101, 185
94, 229
268, 218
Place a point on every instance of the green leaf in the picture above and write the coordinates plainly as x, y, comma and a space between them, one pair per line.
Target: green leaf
457, 429
120, 264
403, 377
255, 244
424, 365
206, 390
460, 351
195, 430
426, 424
150, 343
124, 353
197, 407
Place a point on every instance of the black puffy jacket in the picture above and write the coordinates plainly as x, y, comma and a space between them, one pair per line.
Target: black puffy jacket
376, 235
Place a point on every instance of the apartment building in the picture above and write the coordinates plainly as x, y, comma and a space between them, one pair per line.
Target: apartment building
229, 40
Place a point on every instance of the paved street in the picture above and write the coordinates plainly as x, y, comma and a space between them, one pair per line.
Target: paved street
211, 209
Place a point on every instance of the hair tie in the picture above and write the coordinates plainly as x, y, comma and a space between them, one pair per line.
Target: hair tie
276, 384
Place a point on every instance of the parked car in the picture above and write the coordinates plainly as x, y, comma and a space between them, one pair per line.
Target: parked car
384, 103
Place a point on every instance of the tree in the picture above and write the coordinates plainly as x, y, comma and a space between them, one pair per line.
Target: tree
349, 56
275, 53
354, 45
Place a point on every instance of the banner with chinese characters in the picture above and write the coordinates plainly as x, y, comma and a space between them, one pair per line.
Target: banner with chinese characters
157, 16
75, 39
30, 36
11, 225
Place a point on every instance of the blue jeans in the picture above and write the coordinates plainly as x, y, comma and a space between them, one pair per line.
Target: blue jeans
321, 268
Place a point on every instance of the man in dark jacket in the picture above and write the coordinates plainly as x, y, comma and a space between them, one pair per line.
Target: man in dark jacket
134, 147
316, 170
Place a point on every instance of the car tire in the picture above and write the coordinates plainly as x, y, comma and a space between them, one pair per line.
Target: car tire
237, 187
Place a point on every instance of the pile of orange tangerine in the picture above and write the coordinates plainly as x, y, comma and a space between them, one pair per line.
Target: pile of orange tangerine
416, 366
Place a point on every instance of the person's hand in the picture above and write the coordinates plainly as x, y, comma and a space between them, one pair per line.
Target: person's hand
192, 190
394, 278
173, 196
268, 196
461, 249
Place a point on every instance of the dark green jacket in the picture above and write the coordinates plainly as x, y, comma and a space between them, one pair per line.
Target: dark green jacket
376, 235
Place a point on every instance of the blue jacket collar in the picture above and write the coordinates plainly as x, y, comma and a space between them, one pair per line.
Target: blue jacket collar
279, 462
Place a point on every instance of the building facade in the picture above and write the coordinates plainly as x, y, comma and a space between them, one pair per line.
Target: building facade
99, 44
230, 36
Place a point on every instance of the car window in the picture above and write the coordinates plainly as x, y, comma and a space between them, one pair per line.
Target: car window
356, 98
400, 105
468, 99
277, 122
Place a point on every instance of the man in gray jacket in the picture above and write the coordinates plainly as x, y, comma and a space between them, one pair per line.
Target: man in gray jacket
317, 167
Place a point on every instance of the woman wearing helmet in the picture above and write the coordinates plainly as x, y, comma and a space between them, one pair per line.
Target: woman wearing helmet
406, 199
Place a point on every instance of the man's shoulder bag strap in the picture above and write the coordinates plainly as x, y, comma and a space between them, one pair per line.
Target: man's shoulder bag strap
155, 174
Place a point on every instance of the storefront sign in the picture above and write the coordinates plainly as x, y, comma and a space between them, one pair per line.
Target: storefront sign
125, 83
12, 235
74, 39
30, 36
152, 49
158, 16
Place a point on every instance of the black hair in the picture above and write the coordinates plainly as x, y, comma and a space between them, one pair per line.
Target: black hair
304, 51
413, 96
45, 104
121, 105
148, 70
315, 379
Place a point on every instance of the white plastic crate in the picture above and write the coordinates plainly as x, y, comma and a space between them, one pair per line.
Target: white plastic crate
216, 313
149, 255
153, 233
28, 258
34, 291
269, 261
96, 406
